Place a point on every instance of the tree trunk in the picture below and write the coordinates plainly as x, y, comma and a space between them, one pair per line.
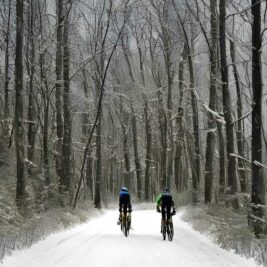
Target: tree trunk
6, 112
230, 142
127, 174
148, 156
31, 104
89, 174
169, 133
163, 140
45, 145
85, 114
258, 188
112, 163
222, 180
98, 178
240, 130
211, 137
21, 193
7, 39
59, 86
178, 174
196, 164
179, 144
136, 155
196, 167
86, 129
67, 132
181, 75
166, 47
148, 129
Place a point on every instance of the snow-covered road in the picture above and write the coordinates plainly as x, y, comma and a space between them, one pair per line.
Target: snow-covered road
100, 243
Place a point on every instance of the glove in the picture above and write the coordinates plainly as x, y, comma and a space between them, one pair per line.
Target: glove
174, 211
120, 210
158, 209
130, 210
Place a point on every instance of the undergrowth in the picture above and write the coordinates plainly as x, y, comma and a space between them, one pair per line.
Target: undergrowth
228, 228
38, 221
23, 232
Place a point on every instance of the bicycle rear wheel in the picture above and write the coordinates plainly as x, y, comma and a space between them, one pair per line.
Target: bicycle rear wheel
170, 231
126, 226
164, 230
122, 221
125, 231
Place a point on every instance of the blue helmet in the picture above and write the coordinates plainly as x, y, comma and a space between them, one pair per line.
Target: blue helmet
123, 188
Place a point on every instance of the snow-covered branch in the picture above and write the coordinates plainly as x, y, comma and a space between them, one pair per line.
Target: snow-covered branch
217, 116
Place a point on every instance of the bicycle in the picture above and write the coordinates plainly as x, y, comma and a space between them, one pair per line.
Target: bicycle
125, 223
167, 227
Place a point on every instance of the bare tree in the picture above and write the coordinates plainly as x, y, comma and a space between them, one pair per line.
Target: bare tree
230, 139
240, 130
257, 190
211, 136
7, 77
67, 130
59, 85
21, 193
196, 170
30, 71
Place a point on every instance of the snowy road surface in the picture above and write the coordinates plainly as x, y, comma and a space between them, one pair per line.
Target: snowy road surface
100, 243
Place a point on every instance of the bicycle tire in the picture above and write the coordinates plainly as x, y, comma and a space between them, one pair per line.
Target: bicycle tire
164, 231
126, 227
125, 231
171, 232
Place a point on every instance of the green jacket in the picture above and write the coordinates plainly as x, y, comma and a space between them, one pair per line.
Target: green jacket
158, 199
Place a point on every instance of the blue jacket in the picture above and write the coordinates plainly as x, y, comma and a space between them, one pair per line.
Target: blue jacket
125, 199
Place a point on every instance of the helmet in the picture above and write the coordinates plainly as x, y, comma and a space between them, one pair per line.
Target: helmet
123, 188
166, 189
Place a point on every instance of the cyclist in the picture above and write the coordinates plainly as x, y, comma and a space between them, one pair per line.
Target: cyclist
164, 204
124, 203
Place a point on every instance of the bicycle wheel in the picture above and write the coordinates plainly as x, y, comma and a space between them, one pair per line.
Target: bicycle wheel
122, 222
164, 231
125, 226
128, 225
125, 230
170, 231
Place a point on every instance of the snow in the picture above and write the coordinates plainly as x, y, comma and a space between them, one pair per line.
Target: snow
100, 243
219, 118
237, 156
255, 161
259, 164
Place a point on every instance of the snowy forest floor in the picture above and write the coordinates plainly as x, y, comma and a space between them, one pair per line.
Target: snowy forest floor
99, 243
227, 228
17, 232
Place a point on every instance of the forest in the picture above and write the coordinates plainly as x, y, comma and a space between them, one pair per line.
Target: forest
147, 94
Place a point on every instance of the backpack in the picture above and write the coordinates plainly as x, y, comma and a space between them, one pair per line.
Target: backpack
166, 199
